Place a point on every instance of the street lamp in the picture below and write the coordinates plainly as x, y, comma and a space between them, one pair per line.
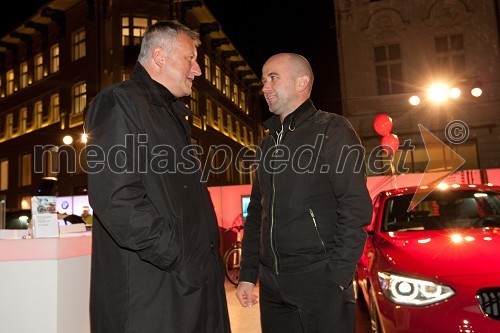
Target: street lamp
67, 140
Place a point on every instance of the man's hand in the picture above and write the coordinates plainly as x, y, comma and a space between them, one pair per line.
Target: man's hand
245, 294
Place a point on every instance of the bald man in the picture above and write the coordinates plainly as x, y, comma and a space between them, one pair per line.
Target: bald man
304, 232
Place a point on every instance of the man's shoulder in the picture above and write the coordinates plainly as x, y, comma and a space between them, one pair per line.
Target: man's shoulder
333, 119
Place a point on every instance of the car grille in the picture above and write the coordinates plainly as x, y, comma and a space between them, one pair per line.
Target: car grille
489, 301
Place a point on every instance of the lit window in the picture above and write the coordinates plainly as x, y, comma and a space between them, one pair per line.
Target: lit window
38, 112
133, 29
193, 102
54, 58
234, 97
26, 170
79, 97
217, 78
53, 109
38, 67
10, 82
78, 43
243, 102
4, 175
227, 86
23, 71
206, 61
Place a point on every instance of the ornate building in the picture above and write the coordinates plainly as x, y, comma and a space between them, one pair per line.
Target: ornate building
53, 64
392, 50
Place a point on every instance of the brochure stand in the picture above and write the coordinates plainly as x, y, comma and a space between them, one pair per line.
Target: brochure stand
44, 223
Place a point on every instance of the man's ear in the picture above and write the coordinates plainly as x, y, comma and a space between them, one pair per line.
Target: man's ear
159, 57
303, 82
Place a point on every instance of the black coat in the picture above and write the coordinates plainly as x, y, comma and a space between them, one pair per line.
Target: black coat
155, 263
309, 203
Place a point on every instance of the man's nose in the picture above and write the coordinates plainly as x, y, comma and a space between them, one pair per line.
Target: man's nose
196, 69
265, 87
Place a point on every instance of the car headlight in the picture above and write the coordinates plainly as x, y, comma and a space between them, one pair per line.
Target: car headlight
405, 290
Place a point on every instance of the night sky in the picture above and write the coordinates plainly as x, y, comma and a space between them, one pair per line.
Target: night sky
259, 29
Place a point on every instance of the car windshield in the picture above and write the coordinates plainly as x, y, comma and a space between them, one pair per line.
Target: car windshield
450, 209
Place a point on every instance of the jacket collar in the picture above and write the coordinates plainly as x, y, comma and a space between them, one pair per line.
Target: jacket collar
304, 111
157, 94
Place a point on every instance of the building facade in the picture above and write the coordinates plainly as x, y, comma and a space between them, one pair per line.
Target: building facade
53, 64
391, 50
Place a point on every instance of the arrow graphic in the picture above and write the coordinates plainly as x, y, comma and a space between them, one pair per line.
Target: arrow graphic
443, 161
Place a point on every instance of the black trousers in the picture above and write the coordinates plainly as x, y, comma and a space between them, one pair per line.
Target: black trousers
305, 302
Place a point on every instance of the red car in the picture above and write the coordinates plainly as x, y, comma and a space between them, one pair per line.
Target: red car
436, 267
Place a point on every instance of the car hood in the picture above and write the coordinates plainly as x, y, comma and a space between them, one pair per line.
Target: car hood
442, 253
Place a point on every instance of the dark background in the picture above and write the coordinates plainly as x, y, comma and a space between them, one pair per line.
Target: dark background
259, 29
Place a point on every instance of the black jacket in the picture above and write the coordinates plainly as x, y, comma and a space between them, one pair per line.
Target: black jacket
309, 201
155, 260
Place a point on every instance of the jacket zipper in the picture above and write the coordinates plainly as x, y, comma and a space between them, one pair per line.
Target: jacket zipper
317, 230
273, 203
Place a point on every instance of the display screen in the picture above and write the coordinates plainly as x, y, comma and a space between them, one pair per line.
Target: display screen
245, 200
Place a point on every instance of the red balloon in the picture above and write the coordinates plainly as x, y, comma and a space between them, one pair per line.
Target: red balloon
382, 124
390, 144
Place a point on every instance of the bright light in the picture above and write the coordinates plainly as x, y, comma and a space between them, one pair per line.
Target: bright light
68, 140
456, 238
476, 92
424, 241
84, 138
442, 186
487, 238
480, 195
489, 184
472, 185
455, 185
454, 93
469, 238
414, 100
438, 92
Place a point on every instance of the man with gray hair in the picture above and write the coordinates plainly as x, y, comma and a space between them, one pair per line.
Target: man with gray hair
155, 260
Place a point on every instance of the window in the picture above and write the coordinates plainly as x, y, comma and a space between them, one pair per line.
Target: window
243, 102
38, 111
450, 56
4, 175
217, 78
388, 69
227, 86
78, 45
208, 69
10, 82
38, 67
54, 59
23, 70
227, 127
27, 119
53, 109
133, 29
234, 97
25, 169
79, 97
212, 116
193, 102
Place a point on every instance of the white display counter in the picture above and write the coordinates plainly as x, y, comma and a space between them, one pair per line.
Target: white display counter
44, 284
